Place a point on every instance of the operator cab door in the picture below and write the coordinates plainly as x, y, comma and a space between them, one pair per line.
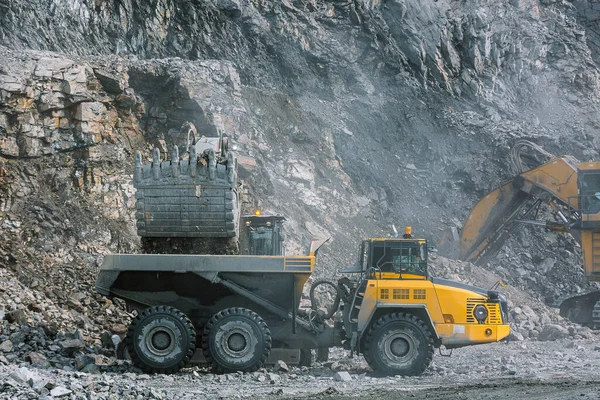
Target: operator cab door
588, 181
397, 259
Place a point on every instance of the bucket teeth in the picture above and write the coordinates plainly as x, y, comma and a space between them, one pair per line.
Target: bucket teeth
193, 197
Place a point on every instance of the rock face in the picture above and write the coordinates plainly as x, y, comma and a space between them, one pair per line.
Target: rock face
348, 116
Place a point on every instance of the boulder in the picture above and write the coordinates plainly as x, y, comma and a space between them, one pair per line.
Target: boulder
70, 346
60, 391
342, 376
6, 346
281, 366
553, 332
38, 360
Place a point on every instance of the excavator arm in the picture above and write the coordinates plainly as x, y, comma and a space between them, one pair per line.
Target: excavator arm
492, 218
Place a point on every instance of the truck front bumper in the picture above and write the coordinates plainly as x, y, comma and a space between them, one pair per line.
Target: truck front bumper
458, 335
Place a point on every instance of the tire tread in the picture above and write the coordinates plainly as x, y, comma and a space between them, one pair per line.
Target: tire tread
173, 312
405, 317
228, 312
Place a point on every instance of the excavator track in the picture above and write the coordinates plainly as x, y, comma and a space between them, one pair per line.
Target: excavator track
582, 308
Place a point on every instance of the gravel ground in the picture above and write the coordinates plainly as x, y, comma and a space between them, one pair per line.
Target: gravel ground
567, 368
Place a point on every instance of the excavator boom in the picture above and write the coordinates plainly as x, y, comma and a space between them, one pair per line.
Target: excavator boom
490, 220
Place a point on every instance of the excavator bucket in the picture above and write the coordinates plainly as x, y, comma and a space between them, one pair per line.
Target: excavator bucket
492, 218
195, 197
487, 221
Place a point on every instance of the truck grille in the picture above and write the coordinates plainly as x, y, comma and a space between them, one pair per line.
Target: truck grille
494, 315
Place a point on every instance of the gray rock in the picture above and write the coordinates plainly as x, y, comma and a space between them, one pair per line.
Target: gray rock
552, 332
83, 361
17, 317
70, 346
91, 369
531, 315
273, 377
39, 384
60, 391
342, 376
116, 341
6, 346
281, 366
38, 360
106, 340
21, 375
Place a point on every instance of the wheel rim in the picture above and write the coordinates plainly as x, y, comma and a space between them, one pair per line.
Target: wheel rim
160, 340
236, 342
399, 347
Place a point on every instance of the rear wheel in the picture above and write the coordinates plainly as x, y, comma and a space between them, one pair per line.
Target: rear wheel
399, 344
161, 339
236, 339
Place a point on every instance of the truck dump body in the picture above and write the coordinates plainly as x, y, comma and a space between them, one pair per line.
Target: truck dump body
192, 281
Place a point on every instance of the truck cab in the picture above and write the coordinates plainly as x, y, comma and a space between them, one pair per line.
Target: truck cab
397, 314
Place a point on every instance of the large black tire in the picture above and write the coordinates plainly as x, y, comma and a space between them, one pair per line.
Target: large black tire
399, 344
236, 339
161, 339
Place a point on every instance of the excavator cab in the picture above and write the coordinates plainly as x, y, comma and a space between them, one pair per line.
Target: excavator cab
262, 235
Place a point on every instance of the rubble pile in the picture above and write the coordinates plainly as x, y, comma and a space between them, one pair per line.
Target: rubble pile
546, 265
494, 364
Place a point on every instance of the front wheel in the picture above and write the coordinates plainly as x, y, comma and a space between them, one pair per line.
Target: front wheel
236, 339
161, 339
399, 344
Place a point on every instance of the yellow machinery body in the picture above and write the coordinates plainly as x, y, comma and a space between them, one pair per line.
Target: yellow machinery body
448, 310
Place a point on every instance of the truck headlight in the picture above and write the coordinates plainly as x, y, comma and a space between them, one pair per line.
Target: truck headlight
480, 313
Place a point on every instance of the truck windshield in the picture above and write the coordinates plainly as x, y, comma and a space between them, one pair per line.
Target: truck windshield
402, 257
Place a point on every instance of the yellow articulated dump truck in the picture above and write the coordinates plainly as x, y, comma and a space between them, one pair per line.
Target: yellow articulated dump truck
243, 310
240, 308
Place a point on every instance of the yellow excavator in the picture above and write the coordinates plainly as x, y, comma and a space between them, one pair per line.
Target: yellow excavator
572, 190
